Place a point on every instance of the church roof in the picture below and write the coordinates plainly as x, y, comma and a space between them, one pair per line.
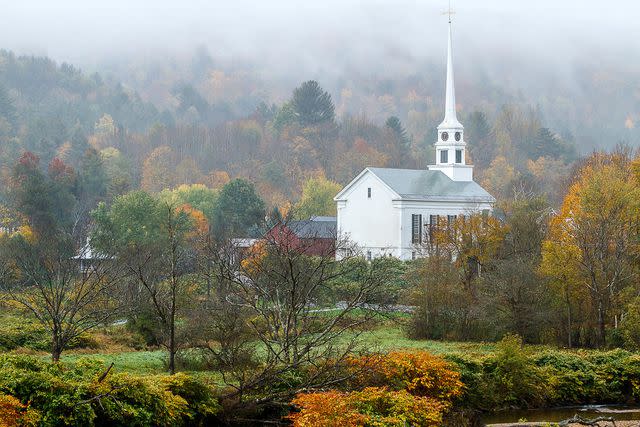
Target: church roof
419, 184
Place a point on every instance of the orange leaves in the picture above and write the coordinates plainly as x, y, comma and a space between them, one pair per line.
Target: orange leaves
373, 406
200, 223
255, 256
420, 373
330, 408
14, 413
394, 389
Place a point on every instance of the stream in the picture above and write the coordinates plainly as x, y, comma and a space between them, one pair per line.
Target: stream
619, 412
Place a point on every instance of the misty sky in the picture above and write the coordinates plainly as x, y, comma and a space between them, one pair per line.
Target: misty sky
302, 33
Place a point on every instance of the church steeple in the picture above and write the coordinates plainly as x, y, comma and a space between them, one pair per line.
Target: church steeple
450, 146
450, 118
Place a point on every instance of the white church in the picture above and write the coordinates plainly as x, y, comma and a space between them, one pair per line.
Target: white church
387, 212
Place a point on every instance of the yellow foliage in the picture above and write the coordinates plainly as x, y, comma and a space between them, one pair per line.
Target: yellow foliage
255, 256
373, 406
14, 413
218, 179
419, 372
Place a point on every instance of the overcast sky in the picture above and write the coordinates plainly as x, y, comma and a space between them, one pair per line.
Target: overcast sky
302, 33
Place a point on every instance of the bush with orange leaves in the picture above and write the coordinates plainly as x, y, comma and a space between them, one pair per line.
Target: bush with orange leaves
373, 406
14, 413
394, 389
418, 372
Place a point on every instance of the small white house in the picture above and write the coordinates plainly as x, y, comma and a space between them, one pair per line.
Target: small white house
388, 211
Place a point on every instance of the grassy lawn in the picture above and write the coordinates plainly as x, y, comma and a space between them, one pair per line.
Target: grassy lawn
385, 338
390, 338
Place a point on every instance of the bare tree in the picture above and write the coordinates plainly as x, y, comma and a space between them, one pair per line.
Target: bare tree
270, 319
67, 299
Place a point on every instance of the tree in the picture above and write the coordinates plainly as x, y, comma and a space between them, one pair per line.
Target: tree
239, 209
198, 196
597, 229
471, 241
157, 170
262, 325
47, 281
92, 179
312, 105
514, 294
151, 240
478, 132
118, 171
189, 97
7, 111
46, 201
447, 283
317, 198
401, 143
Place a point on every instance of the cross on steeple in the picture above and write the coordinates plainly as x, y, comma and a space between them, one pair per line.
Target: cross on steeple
449, 12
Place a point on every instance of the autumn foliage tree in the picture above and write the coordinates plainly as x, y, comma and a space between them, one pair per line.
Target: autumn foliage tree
593, 241
317, 198
395, 389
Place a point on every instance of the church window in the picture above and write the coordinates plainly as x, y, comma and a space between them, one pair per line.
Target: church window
369, 193
458, 156
368, 255
416, 228
444, 156
413, 255
450, 219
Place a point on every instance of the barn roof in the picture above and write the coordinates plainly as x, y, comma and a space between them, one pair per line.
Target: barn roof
316, 227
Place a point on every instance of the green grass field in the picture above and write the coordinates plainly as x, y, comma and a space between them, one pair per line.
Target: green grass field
386, 338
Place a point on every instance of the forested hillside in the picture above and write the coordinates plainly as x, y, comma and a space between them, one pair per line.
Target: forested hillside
217, 125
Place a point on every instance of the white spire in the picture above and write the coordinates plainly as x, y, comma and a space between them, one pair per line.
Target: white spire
450, 119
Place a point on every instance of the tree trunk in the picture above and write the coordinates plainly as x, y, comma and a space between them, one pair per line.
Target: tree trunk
569, 320
602, 325
56, 347
172, 330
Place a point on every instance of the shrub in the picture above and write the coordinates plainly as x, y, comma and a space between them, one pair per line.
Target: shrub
517, 380
18, 331
80, 394
373, 406
395, 389
420, 373
14, 413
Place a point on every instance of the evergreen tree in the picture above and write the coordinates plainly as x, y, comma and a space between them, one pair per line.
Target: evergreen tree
312, 105
402, 141
92, 177
7, 109
477, 131
239, 210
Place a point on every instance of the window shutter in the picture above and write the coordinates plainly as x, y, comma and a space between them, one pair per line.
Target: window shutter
416, 228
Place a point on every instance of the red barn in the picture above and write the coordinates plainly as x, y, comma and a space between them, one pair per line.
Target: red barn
315, 236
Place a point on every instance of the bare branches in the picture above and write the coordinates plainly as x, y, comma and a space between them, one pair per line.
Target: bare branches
66, 299
281, 341
576, 419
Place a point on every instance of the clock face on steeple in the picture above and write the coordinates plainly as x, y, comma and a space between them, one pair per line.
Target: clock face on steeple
444, 136
458, 135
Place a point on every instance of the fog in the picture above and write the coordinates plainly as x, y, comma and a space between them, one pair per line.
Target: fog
576, 61
306, 36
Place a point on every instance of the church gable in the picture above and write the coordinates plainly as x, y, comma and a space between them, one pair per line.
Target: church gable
366, 182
